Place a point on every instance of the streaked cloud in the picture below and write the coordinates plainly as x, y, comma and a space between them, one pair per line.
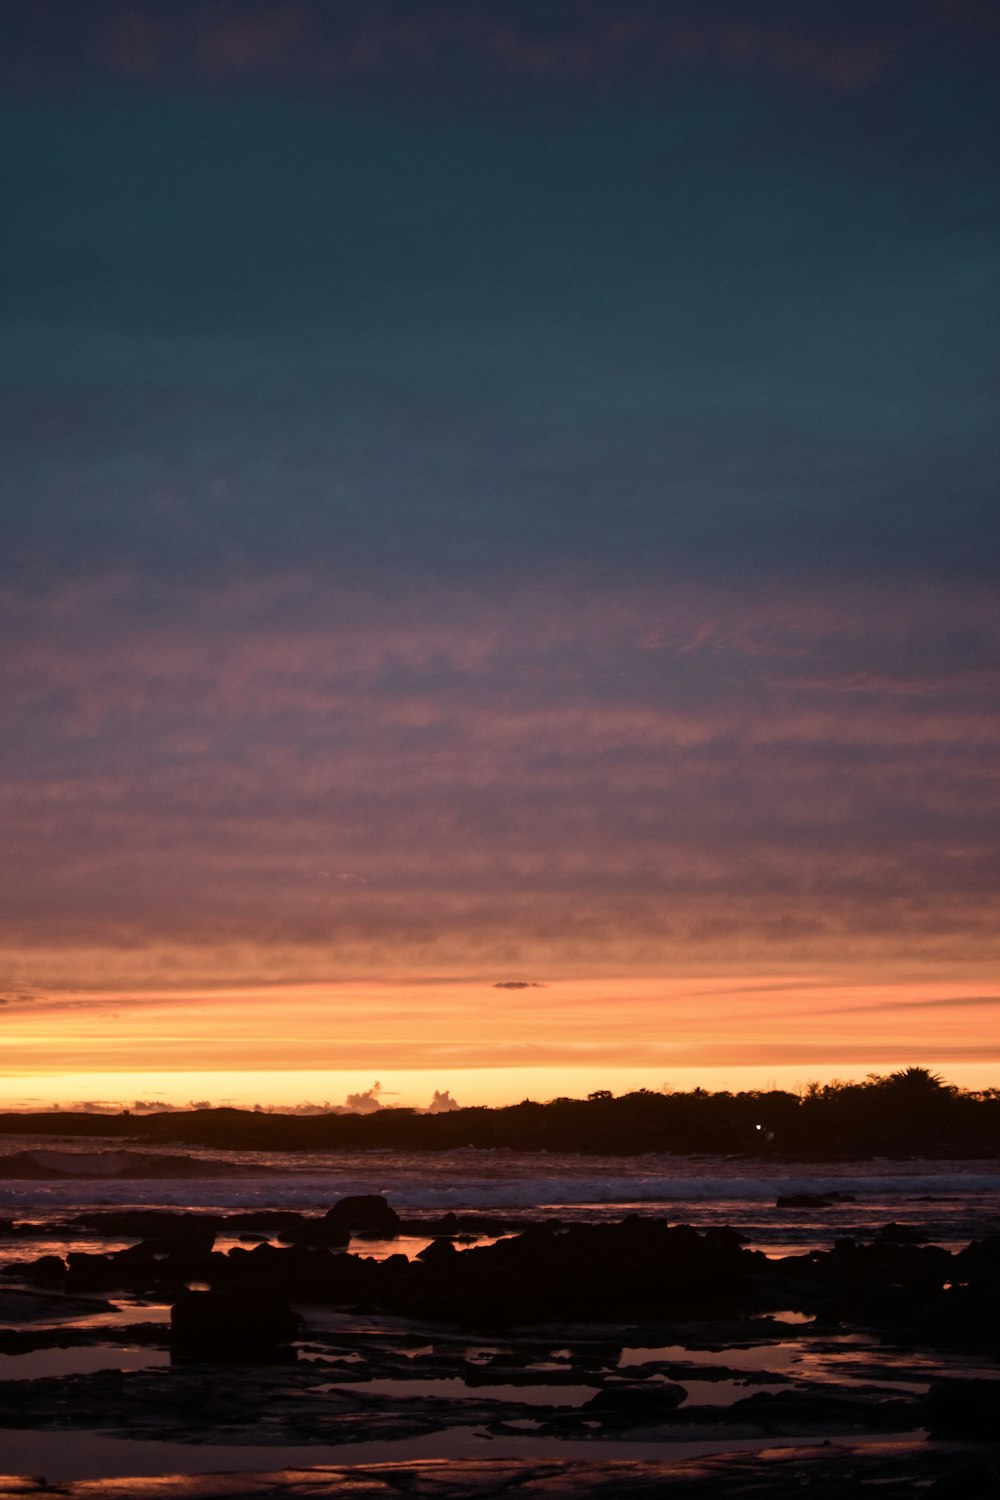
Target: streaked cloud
638, 42
954, 1002
370, 779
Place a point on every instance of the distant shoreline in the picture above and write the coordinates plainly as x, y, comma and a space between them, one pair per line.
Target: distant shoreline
909, 1114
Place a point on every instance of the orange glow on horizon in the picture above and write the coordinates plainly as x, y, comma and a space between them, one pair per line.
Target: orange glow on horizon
311, 1090
487, 1042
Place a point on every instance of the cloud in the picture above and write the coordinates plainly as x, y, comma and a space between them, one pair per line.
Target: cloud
442, 1103
304, 1107
506, 777
954, 1002
89, 1107
159, 1106
366, 1103
815, 351
658, 1022
135, 1106
452, 49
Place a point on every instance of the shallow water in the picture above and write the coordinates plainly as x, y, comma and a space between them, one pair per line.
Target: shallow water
852, 1359
38, 1363
65, 1456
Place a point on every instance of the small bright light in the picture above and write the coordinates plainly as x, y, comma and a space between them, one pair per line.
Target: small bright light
758, 1127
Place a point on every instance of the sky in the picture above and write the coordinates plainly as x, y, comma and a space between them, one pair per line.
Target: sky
498, 546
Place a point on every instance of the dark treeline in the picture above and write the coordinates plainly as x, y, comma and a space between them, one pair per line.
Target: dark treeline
909, 1113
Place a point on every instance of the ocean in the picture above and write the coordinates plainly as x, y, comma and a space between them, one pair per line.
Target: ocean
947, 1202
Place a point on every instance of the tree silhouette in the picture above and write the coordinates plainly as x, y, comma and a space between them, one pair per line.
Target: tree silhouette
915, 1083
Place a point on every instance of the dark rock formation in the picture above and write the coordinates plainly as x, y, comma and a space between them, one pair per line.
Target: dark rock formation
364, 1213
44, 1271
367, 1213
805, 1200
975, 1479
964, 1409
439, 1252
459, 1224
262, 1218
784, 1412
231, 1324
331, 1233
194, 1233
624, 1406
903, 1234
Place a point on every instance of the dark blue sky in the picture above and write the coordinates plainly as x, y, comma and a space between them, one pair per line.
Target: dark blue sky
714, 291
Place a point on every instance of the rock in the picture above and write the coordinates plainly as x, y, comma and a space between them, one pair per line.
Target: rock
453, 1224
439, 1251
150, 1266
902, 1234
231, 1323
304, 1272
635, 1405
964, 1409
637, 1269
981, 1257
330, 1234
263, 1218
46, 1269
978, 1480
963, 1317
787, 1411
721, 1238
368, 1212
19, 1307
193, 1233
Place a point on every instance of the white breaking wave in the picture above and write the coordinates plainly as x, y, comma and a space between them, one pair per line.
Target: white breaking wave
103, 1182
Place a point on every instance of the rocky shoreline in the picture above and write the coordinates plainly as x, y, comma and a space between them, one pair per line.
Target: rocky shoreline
642, 1268
877, 1354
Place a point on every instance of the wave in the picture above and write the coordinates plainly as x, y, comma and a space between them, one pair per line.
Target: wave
248, 1183
48, 1166
556, 1192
